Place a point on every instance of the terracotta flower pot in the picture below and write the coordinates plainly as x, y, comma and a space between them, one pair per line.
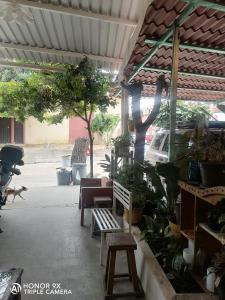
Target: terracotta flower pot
136, 215
175, 229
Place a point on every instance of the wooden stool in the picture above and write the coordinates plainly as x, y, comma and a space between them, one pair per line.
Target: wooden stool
121, 242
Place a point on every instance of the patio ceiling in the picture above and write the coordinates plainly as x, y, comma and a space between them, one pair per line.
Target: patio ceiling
202, 48
64, 31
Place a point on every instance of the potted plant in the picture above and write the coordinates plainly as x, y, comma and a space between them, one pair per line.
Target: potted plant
122, 144
215, 217
140, 191
168, 251
207, 153
164, 179
110, 165
139, 195
170, 173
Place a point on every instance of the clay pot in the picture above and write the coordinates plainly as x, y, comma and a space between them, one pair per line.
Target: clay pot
175, 229
136, 215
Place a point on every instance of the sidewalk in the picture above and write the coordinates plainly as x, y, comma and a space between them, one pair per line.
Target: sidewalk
53, 152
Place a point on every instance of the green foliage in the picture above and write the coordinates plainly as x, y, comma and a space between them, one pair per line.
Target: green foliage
103, 124
106, 164
165, 193
154, 232
109, 164
122, 141
166, 249
78, 91
24, 99
125, 175
168, 252
121, 144
11, 74
184, 113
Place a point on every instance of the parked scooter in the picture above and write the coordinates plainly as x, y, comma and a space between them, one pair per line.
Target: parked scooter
10, 157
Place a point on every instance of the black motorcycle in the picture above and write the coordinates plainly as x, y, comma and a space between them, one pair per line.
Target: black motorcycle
10, 157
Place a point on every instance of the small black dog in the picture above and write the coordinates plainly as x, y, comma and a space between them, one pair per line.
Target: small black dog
15, 192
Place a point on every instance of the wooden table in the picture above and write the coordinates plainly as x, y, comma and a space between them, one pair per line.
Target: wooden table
7, 279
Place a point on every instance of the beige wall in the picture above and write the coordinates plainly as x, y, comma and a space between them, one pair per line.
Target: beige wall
43, 133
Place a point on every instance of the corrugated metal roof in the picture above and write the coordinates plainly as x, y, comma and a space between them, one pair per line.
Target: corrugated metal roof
204, 27
59, 31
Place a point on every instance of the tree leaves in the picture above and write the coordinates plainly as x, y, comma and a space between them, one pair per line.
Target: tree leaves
184, 113
78, 91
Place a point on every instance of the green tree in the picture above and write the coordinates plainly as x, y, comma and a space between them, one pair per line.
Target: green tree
103, 124
24, 99
184, 113
78, 91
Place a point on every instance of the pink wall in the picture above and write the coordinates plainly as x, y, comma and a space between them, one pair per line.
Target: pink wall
77, 129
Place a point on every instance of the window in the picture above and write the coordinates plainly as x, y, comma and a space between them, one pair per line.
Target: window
180, 141
166, 144
158, 140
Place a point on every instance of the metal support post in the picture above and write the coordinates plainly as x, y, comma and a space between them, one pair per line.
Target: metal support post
124, 112
173, 92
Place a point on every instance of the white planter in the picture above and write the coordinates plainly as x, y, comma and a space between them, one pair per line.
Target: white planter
210, 279
153, 279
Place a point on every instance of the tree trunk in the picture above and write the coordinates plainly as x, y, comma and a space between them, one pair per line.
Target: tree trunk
139, 146
141, 127
91, 139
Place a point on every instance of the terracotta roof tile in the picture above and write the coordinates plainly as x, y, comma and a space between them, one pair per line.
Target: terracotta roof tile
204, 27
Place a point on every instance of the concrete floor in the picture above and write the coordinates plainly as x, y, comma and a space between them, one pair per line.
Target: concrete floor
43, 236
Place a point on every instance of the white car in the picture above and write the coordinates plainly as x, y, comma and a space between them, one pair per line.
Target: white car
159, 147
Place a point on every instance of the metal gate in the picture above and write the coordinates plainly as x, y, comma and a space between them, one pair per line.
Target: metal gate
5, 130
11, 131
18, 132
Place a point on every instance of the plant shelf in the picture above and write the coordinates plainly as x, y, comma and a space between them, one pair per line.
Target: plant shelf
212, 195
155, 282
188, 233
201, 281
219, 236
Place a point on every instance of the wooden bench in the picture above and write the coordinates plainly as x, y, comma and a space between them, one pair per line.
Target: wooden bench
87, 197
106, 220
